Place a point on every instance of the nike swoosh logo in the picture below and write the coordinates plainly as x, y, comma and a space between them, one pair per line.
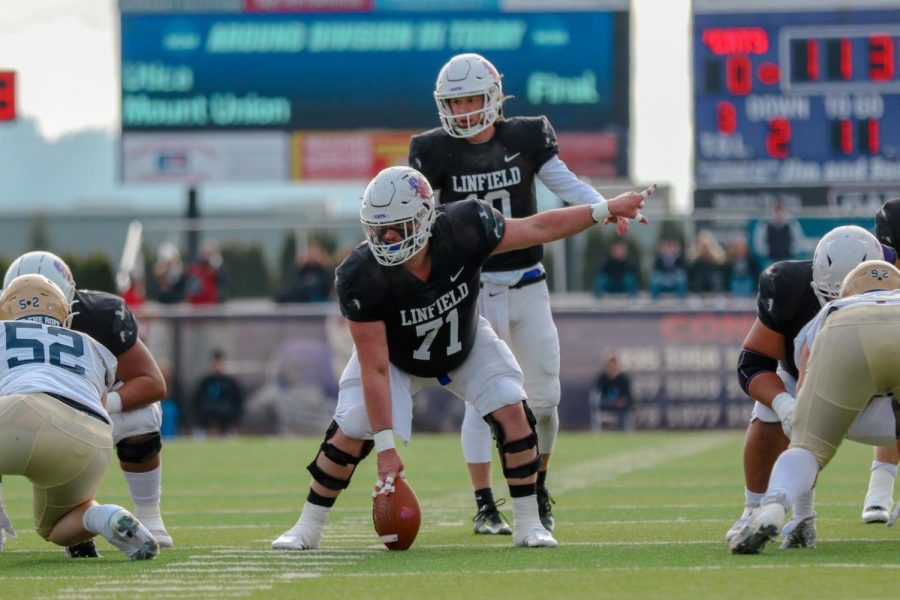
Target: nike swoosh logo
509, 158
458, 273
492, 294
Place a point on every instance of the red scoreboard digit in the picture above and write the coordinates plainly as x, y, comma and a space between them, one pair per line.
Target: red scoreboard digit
7, 95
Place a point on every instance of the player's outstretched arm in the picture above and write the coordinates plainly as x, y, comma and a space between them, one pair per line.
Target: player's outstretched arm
561, 223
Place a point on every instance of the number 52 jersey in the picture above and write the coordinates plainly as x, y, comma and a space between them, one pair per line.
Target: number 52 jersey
44, 358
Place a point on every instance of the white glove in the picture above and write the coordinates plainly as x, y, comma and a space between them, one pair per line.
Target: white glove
783, 405
5, 527
895, 515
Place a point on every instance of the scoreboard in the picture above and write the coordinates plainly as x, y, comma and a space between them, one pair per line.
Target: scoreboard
796, 93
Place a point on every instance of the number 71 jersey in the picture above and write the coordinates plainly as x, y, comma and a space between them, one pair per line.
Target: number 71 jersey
45, 358
431, 324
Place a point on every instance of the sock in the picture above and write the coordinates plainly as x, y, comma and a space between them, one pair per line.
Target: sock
805, 505
311, 523
525, 513
793, 474
881, 485
96, 518
145, 489
752, 499
484, 497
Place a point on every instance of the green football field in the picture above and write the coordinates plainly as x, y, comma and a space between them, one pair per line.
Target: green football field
638, 516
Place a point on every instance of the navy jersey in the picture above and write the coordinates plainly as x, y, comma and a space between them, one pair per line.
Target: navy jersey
430, 324
786, 302
500, 171
106, 318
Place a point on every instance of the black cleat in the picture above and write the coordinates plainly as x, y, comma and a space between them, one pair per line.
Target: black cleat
83, 550
544, 500
489, 520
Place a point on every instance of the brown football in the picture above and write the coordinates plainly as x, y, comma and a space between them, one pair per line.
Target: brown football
397, 516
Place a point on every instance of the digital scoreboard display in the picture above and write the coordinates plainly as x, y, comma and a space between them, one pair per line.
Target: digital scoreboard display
796, 93
348, 71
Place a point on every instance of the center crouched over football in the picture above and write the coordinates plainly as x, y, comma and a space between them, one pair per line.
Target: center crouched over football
397, 516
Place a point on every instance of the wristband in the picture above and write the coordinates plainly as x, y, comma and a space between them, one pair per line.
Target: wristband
113, 402
384, 440
781, 401
600, 211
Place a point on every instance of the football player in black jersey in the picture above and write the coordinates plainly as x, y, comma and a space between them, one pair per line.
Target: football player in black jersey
790, 294
134, 406
410, 294
477, 153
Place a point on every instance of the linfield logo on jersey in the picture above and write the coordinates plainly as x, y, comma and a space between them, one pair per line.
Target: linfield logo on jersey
480, 182
414, 316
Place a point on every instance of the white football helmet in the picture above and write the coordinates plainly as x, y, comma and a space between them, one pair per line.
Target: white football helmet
398, 199
47, 264
839, 252
468, 75
34, 298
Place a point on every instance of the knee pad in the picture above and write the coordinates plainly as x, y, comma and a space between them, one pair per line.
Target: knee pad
139, 449
515, 446
338, 457
547, 427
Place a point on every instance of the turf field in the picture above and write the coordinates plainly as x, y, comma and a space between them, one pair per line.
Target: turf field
638, 516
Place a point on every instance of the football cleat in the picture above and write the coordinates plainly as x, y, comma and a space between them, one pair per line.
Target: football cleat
762, 528
488, 520
535, 538
86, 549
799, 533
739, 524
544, 500
875, 514
296, 539
127, 534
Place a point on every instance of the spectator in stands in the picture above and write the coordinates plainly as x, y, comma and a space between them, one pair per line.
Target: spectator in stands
205, 278
219, 398
618, 274
168, 273
707, 267
312, 279
669, 273
781, 236
742, 270
612, 393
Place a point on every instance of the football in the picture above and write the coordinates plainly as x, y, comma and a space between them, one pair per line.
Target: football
397, 516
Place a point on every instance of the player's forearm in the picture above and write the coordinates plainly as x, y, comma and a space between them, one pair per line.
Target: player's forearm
377, 395
557, 224
140, 391
765, 386
565, 184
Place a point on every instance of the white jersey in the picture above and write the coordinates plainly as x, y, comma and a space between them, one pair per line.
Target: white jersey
50, 359
808, 334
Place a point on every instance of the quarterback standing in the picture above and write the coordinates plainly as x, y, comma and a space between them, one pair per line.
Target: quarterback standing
477, 153
133, 406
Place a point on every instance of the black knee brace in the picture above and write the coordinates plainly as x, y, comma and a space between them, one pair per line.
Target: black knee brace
139, 449
512, 447
337, 456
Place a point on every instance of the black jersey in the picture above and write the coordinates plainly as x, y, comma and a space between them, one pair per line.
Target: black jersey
430, 324
786, 302
500, 171
106, 318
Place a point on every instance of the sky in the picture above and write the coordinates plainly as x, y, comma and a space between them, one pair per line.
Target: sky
65, 53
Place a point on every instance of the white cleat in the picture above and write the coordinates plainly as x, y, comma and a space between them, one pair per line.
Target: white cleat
799, 533
162, 536
763, 527
876, 514
127, 534
535, 538
294, 539
738, 525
